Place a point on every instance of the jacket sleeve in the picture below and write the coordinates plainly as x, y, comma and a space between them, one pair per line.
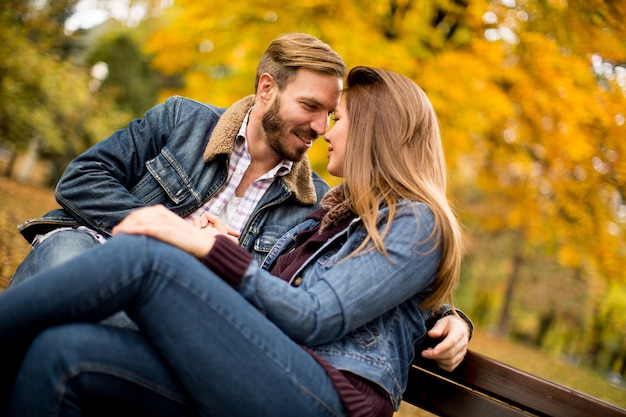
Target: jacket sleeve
94, 189
350, 293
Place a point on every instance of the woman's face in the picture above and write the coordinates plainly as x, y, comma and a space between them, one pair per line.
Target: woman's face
337, 138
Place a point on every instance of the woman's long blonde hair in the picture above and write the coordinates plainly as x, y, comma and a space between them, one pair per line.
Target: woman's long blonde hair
393, 153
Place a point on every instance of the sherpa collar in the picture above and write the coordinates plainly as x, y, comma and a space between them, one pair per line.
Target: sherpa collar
222, 141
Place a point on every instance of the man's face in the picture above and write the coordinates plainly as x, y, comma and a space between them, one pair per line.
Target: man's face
299, 114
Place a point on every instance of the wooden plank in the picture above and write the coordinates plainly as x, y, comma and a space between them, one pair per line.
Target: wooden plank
522, 389
445, 398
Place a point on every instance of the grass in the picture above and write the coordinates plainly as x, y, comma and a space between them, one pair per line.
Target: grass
19, 202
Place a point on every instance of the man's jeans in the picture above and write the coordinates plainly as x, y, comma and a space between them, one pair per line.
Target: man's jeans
202, 349
57, 247
53, 249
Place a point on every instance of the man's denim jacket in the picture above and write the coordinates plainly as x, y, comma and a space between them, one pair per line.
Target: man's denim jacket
177, 156
359, 314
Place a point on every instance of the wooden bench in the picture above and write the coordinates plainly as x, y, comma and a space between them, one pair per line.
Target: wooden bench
483, 387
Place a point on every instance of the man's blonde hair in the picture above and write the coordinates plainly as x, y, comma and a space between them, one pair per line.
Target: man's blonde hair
292, 51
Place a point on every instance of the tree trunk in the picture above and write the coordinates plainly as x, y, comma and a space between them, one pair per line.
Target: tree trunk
8, 171
504, 324
545, 323
28, 163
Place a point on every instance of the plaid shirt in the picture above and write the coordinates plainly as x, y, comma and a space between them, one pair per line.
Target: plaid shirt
232, 210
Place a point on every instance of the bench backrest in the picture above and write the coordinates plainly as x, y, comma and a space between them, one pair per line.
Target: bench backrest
483, 387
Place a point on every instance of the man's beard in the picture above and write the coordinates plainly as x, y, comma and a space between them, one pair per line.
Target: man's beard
276, 131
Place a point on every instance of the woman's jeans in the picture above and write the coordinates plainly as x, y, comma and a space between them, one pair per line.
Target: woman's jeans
202, 348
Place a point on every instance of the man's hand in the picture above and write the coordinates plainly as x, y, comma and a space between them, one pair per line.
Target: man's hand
207, 220
451, 350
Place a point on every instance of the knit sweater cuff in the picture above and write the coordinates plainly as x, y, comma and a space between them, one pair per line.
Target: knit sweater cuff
228, 260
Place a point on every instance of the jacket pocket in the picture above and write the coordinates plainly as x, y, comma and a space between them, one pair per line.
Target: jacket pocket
169, 177
366, 335
268, 236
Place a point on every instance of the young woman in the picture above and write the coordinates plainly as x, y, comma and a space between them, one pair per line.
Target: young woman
220, 336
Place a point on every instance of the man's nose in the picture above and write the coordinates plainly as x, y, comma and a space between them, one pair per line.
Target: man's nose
320, 123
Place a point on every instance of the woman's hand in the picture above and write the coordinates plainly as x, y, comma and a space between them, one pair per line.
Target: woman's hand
212, 221
449, 353
160, 223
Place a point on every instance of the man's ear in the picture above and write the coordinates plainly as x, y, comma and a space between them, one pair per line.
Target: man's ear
267, 87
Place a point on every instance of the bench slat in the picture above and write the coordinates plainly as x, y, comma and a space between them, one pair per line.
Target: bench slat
444, 398
507, 384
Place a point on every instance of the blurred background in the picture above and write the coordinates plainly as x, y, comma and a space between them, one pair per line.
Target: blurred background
531, 96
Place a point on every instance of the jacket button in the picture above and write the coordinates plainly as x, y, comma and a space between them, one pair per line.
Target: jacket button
297, 282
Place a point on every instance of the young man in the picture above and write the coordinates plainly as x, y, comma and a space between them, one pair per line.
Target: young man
246, 164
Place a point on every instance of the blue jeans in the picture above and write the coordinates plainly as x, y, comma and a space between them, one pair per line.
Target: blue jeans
57, 248
202, 347
54, 250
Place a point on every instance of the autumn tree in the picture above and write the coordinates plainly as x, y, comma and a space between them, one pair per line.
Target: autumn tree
29, 52
46, 106
131, 81
50, 103
550, 171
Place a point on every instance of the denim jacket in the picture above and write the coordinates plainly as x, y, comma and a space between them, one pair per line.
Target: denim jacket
177, 156
362, 314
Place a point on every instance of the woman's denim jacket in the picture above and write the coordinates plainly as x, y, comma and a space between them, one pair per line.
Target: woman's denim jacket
362, 314
177, 155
